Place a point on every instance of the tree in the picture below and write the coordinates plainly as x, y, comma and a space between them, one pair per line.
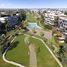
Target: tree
22, 15
49, 27
42, 19
65, 39
61, 52
65, 13
61, 49
45, 11
39, 12
21, 18
56, 21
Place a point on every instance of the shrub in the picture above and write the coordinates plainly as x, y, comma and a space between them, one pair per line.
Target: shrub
48, 27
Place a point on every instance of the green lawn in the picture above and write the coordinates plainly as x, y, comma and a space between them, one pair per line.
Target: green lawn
20, 52
4, 64
44, 58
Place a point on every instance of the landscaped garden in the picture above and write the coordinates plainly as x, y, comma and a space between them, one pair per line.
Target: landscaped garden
19, 53
44, 58
19, 50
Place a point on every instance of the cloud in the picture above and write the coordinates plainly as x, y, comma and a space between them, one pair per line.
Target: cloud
5, 5
2, 5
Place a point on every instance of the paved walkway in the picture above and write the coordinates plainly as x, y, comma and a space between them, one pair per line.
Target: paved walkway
33, 59
11, 62
32, 53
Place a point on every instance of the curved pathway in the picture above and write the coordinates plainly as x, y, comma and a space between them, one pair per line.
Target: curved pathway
48, 50
11, 62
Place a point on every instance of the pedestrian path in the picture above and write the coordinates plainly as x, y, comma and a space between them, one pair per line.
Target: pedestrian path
33, 59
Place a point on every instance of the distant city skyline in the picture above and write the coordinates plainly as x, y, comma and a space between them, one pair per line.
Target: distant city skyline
33, 3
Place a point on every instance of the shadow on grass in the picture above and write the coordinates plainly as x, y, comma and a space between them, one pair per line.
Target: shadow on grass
13, 45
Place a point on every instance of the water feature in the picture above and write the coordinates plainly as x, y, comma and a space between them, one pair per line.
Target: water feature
33, 25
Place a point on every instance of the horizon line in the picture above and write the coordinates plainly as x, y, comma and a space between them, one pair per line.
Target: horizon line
37, 8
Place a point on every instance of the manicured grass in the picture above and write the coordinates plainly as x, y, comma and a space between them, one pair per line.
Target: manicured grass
19, 54
44, 58
4, 64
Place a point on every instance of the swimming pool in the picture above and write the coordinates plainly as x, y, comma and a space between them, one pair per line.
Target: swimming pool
33, 25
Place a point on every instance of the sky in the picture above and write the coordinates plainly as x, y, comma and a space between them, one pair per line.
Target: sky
33, 3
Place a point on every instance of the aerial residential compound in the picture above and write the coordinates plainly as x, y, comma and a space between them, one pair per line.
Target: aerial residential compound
33, 37
33, 33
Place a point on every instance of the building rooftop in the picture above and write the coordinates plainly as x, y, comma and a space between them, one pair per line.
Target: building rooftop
2, 20
63, 18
